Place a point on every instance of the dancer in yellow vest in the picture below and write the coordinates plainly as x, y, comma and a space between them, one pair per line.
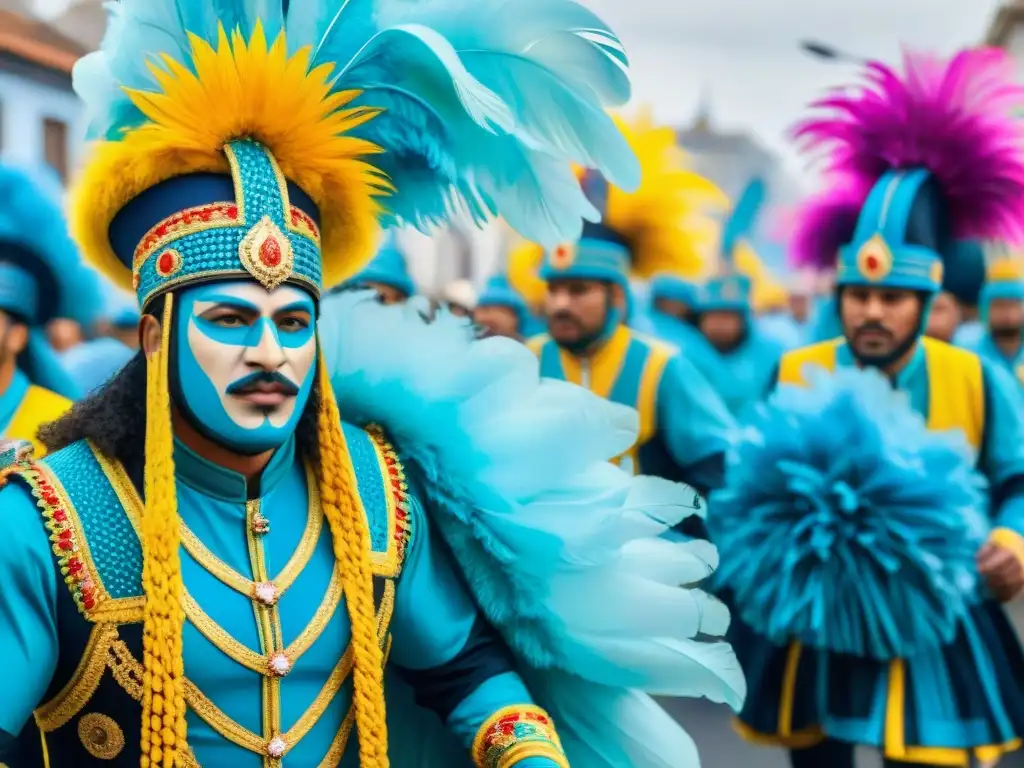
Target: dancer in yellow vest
921, 158
684, 425
41, 278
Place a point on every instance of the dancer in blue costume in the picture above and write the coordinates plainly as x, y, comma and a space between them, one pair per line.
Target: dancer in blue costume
684, 426
386, 273
500, 310
672, 315
918, 157
41, 278
962, 282
739, 358
1002, 315
215, 568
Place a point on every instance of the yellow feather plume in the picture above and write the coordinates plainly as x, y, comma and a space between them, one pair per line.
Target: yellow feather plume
524, 263
669, 220
240, 89
1005, 269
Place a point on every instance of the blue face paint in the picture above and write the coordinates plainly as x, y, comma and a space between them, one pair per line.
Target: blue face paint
233, 338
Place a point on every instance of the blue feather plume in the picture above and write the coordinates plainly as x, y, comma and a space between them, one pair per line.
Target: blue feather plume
563, 552
31, 216
743, 218
849, 526
486, 104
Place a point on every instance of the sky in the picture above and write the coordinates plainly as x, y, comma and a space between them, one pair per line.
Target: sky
744, 55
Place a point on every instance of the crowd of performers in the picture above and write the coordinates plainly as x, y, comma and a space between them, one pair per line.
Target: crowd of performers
276, 509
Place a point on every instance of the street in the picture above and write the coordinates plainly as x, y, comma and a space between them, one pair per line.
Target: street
720, 747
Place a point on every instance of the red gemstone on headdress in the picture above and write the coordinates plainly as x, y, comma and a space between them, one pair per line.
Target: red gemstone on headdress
165, 265
270, 252
871, 262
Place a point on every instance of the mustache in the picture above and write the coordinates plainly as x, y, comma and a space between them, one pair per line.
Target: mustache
872, 326
255, 380
567, 316
1006, 331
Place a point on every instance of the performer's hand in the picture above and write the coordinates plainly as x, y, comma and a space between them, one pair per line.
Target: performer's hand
1002, 570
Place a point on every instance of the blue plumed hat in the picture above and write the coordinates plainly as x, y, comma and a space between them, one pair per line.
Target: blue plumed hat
901, 233
729, 290
918, 158
388, 267
726, 293
601, 253
675, 288
1004, 277
499, 293
41, 274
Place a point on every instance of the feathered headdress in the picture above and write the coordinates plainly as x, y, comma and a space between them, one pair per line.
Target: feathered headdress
830, 491
665, 225
948, 129
34, 239
257, 139
738, 268
42, 276
669, 220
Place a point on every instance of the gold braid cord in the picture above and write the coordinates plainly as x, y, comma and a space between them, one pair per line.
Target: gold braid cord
340, 502
163, 699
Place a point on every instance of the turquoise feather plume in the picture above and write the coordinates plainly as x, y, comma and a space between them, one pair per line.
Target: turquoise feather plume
563, 551
486, 104
849, 526
743, 218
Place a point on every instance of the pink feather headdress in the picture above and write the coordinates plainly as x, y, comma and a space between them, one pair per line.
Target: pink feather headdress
957, 118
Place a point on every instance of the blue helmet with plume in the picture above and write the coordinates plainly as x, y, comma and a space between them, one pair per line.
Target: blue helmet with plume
42, 276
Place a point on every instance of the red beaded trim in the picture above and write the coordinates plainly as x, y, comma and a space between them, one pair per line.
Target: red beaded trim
204, 217
514, 734
68, 544
399, 493
187, 222
302, 224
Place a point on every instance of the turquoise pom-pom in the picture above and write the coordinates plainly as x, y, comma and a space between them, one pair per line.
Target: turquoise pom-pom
846, 524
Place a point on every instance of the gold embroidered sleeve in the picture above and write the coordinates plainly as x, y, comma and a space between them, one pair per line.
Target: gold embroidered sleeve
514, 734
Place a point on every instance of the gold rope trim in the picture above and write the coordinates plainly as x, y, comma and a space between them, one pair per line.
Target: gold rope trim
129, 670
250, 659
292, 569
84, 681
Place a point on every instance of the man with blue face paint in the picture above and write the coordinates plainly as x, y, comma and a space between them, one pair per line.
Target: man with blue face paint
244, 551
41, 278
